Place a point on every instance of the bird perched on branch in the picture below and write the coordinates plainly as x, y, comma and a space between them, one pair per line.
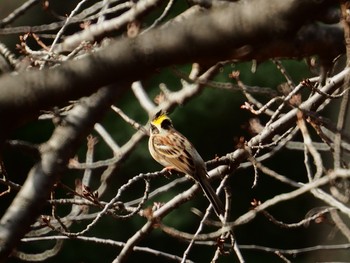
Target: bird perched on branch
174, 151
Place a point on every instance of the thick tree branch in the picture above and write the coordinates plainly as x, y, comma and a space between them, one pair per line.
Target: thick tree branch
234, 31
55, 154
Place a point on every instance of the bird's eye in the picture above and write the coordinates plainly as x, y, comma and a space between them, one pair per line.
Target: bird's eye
154, 129
166, 124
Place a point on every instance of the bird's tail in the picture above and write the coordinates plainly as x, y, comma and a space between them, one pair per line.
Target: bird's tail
208, 190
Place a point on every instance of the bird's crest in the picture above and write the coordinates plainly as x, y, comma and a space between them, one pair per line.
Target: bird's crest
160, 117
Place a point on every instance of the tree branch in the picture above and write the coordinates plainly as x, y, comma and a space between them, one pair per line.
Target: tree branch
55, 154
230, 31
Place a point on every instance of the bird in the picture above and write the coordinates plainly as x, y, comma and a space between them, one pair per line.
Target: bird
175, 152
